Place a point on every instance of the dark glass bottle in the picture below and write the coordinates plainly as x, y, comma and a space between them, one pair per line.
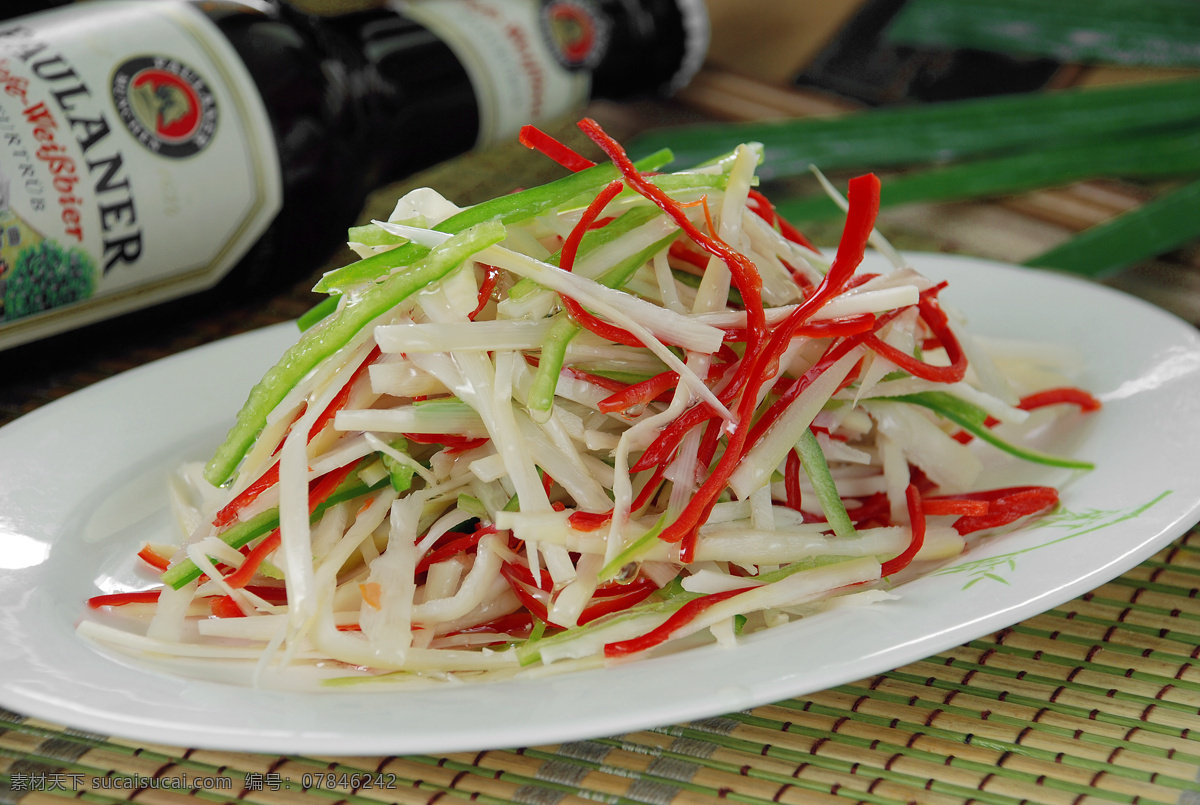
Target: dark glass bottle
351, 102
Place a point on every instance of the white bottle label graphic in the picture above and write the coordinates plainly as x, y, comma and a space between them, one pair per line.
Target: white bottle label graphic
136, 162
516, 55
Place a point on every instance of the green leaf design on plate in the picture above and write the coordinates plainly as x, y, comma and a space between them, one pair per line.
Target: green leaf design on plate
1077, 524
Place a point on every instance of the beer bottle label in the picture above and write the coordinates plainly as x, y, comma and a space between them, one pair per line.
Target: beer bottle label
137, 162
527, 61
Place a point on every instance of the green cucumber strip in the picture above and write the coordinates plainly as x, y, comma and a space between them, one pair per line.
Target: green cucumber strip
971, 417
317, 312
550, 363
803, 564
1160, 33
672, 183
319, 343
941, 132
633, 551
510, 209
473, 506
812, 459
400, 474
1158, 226
628, 378
261, 524
374, 235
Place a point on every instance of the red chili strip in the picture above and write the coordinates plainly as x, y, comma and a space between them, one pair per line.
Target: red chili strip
459, 545
664, 445
681, 251
153, 558
633, 593
791, 481
639, 394
834, 353
708, 447
491, 276
940, 374
954, 505
798, 276
763, 207
662, 633
875, 510
465, 446
650, 488
270, 593
538, 140
1056, 396
121, 599
247, 496
447, 439
525, 576
589, 521
223, 606
597, 325
916, 516
254, 560
325, 486
606, 383
532, 597
570, 248
1007, 505
827, 328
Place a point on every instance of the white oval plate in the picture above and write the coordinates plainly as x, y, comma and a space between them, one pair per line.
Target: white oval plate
84, 487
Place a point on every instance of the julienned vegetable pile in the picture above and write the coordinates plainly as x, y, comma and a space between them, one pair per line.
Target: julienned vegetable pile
584, 421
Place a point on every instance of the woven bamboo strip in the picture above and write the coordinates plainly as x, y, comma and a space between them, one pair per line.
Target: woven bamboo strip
975, 720
1164, 620
947, 674
782, 775
950, 747
1078, 624
801, 780
840, 759
1056, 722
109, 759
1070, 684
962, 727
1159, 677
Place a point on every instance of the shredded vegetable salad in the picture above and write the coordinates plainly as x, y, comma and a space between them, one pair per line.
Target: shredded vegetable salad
627, 410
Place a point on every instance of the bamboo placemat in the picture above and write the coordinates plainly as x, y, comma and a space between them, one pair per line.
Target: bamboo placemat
1097, 700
